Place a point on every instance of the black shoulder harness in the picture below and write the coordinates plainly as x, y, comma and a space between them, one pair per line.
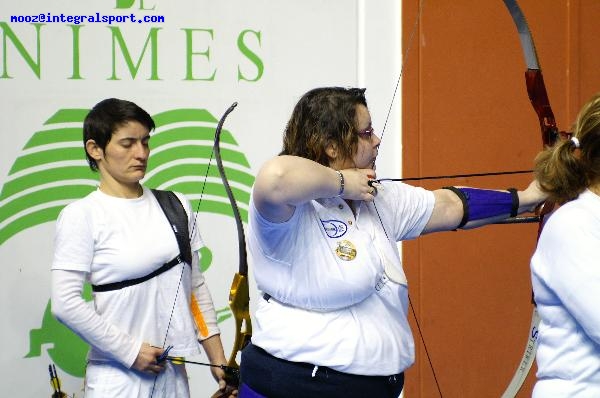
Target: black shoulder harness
177, 216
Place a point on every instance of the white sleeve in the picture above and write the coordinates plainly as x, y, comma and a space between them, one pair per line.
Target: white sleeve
69, 307
199, 286
404, 209
74, 239
203, 297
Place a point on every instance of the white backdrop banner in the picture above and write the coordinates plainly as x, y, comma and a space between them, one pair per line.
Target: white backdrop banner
185, 62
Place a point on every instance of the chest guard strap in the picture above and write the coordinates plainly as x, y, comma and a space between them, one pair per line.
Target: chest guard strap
177, 216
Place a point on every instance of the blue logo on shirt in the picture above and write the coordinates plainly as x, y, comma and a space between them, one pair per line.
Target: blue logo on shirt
334, 228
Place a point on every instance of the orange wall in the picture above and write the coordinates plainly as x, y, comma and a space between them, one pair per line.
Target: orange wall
465, 110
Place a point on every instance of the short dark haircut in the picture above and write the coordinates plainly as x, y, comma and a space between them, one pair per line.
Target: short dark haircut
322, 116
106, 117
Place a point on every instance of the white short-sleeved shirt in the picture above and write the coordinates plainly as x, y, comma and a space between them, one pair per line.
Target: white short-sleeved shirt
333, 305
115, 239
566, 284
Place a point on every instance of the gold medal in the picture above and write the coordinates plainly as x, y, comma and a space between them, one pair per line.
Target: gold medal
345, 250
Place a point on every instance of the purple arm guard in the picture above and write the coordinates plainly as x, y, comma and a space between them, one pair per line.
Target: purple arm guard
485, 203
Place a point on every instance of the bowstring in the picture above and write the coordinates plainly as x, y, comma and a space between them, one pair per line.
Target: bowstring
183, 266
402, 66
212, 152
437, 384
441, 177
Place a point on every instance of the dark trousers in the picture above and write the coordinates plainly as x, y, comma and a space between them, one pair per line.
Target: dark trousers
272, 377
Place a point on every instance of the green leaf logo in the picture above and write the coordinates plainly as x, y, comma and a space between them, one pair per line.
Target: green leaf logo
49, 174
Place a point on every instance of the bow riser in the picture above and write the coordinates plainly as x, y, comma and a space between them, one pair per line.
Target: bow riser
239, 302
536, 90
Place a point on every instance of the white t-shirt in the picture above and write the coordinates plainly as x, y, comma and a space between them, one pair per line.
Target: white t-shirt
332, 303
566, 284
115, 239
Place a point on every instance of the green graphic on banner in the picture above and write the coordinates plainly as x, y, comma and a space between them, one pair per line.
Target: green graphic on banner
51, 172
125, 4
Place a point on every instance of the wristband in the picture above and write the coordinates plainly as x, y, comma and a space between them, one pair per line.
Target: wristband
341, 183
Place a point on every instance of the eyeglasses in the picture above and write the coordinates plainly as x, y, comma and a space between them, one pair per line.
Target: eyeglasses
366, 133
